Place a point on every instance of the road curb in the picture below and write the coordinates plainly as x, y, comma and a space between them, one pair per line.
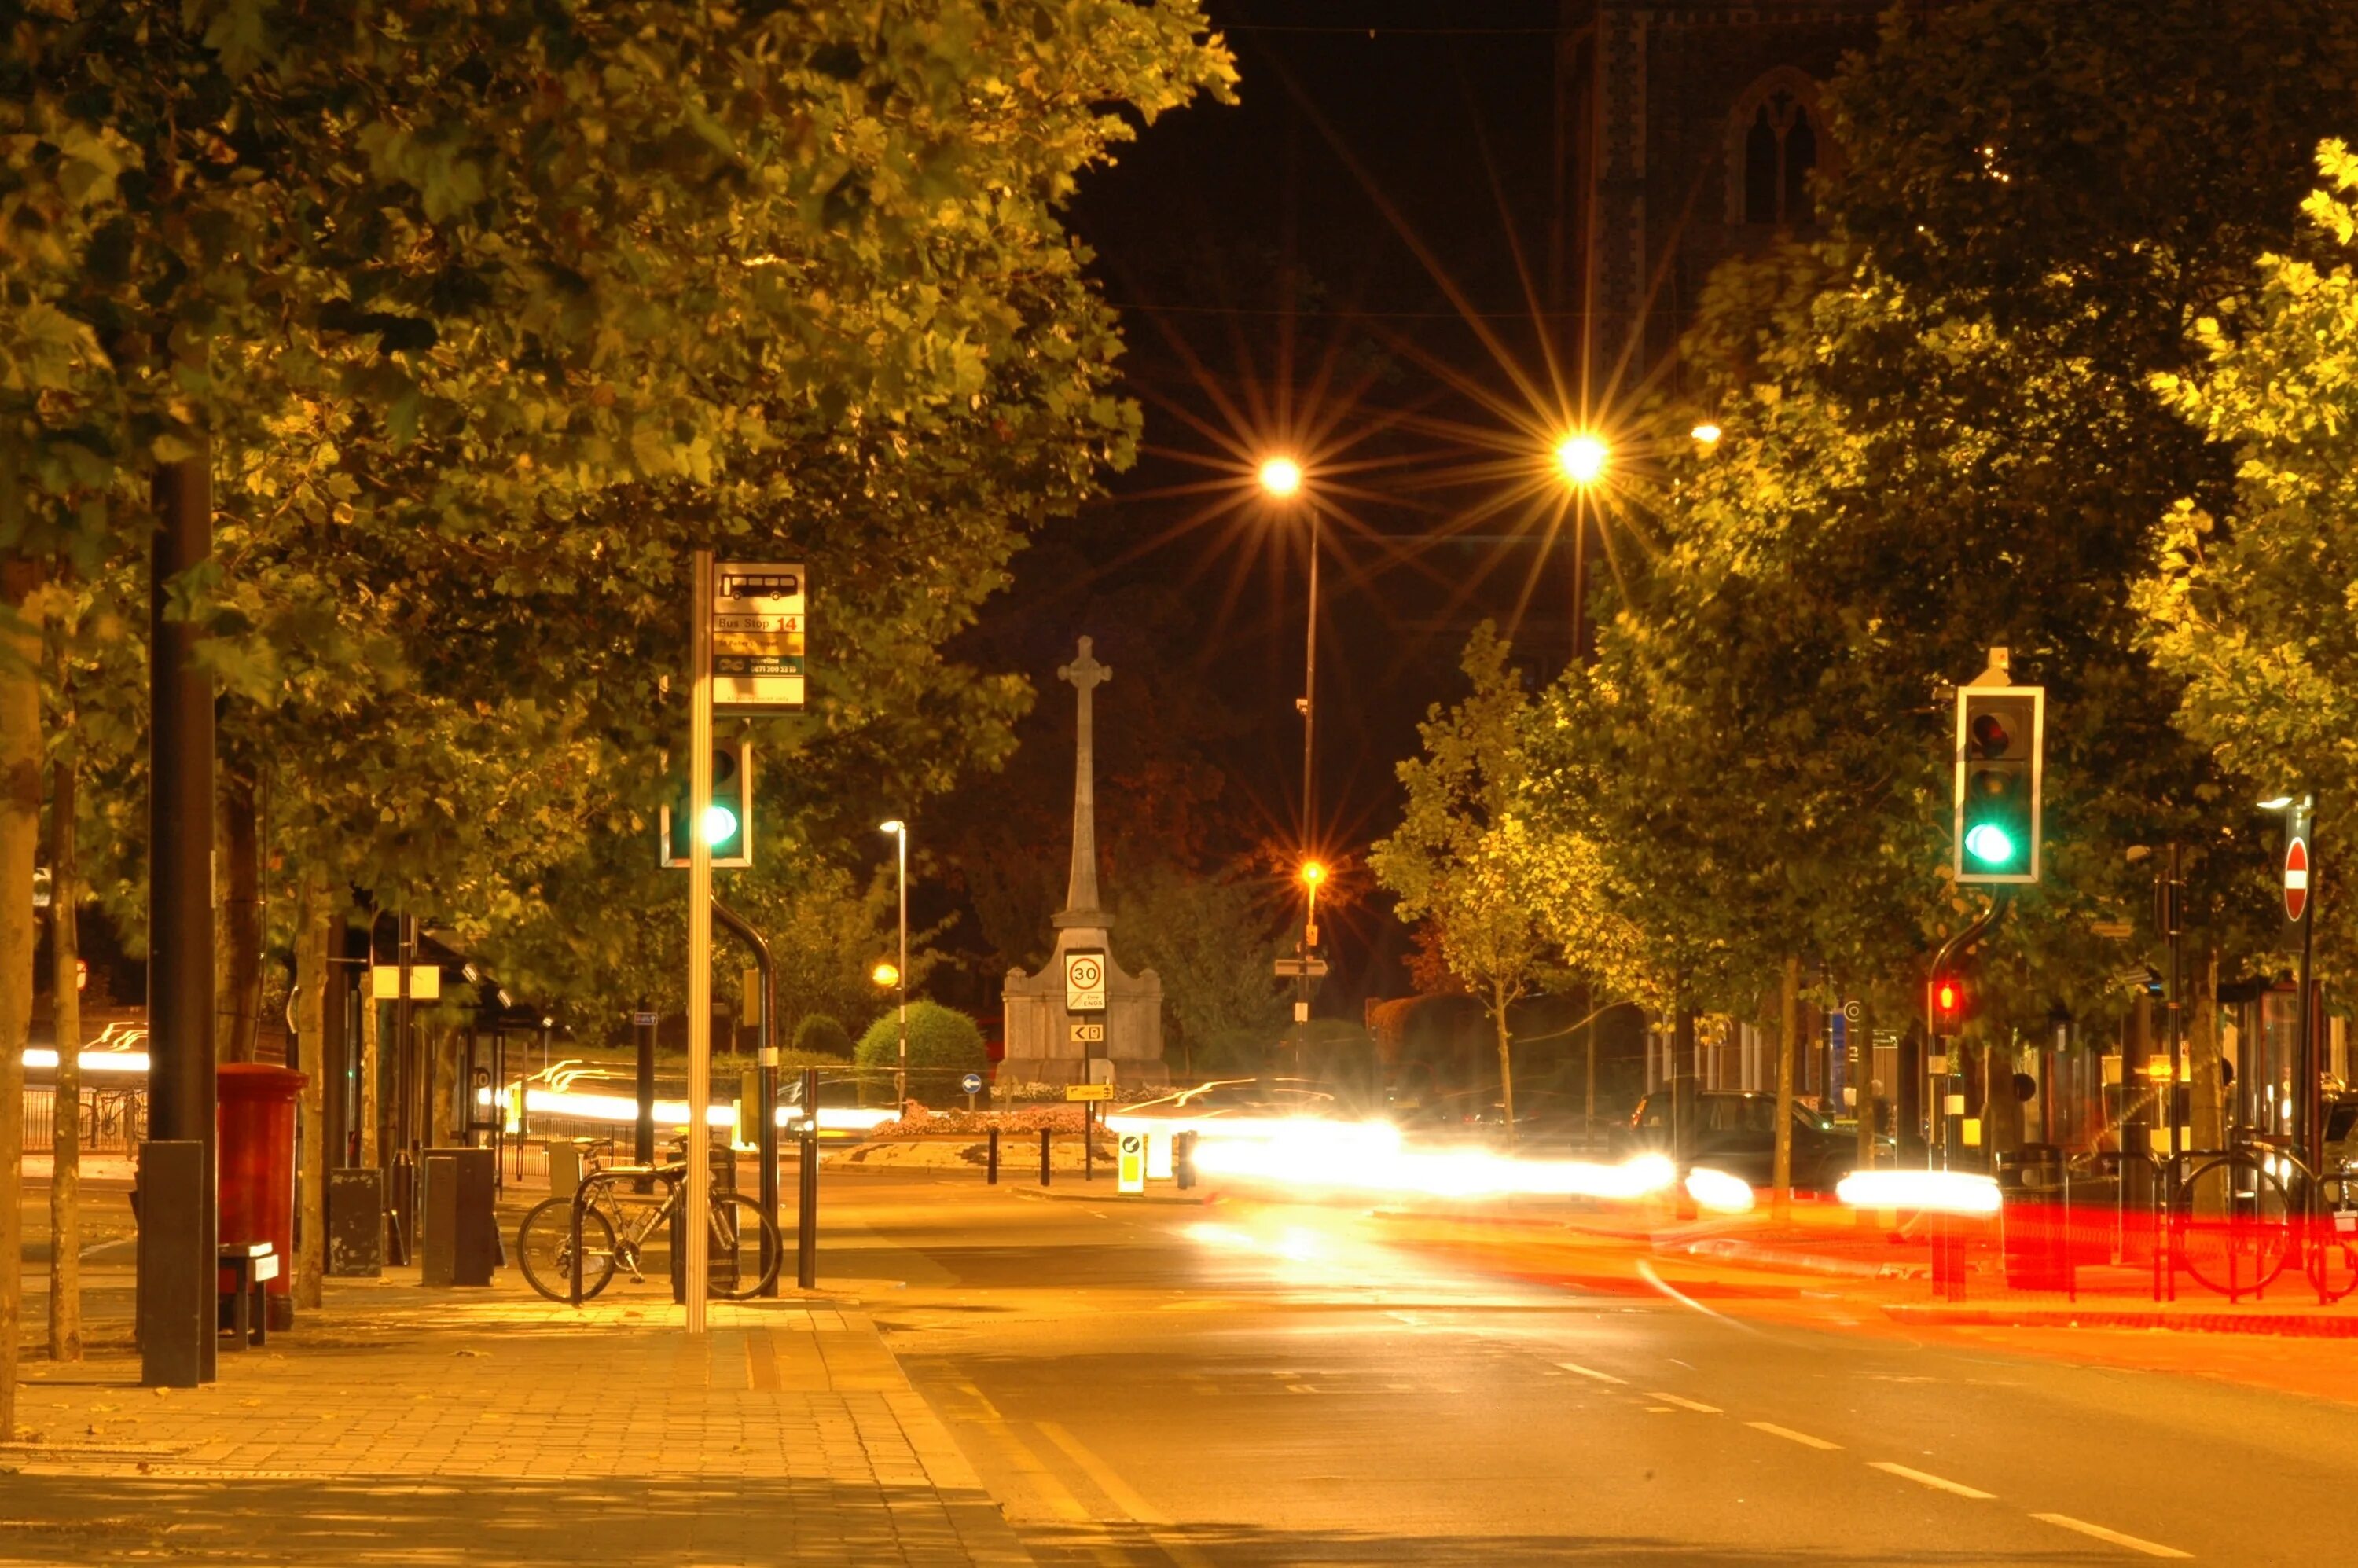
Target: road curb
2283, 1325
1055, 1196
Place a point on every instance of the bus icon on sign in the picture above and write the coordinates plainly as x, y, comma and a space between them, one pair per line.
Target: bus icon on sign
761, 585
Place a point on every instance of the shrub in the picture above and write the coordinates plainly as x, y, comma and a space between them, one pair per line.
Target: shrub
939, 1038
820, 1035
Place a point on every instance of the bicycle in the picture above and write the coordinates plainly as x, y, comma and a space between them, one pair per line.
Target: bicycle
741, 1245
2245, 1215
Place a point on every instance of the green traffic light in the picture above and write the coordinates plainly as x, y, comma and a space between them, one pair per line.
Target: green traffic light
1989, 844
720, 824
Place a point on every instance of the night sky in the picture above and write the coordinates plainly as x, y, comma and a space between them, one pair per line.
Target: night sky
1353, 262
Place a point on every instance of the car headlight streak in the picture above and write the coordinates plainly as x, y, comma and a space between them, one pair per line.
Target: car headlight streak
1372, 1157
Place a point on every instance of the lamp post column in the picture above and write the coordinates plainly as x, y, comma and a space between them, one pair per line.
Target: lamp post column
900, 1079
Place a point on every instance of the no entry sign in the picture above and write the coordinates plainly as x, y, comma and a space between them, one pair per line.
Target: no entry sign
2296, 879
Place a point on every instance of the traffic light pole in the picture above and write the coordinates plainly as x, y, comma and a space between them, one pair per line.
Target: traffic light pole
694, 1232
1939, 1062
766, 1101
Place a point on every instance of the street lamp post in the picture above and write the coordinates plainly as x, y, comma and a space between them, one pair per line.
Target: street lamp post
1281, 479
900, 831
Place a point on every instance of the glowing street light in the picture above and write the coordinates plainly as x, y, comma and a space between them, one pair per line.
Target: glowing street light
1312, 874
1281, 477
1581, 458
1706, 434
886, 974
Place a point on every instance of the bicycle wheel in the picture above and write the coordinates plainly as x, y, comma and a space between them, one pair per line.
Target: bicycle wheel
738, 1230
545, 1244
2234, 1224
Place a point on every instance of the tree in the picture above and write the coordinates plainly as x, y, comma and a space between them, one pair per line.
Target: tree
1463, 857
486, 309
942, 1042
1214, 945
2250, 606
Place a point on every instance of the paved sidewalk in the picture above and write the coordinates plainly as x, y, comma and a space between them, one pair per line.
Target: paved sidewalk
401, 1425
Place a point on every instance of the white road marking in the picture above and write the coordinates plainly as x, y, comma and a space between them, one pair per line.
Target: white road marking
1592, 1372
1790, 1436
1694, 1405
1924, 1478
1161, 1528
2150, 1548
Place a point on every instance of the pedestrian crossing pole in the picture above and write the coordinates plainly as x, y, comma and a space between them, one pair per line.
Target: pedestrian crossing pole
697, 1195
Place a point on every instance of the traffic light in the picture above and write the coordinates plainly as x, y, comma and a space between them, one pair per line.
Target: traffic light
1952, 1002
2001, 739
728, 823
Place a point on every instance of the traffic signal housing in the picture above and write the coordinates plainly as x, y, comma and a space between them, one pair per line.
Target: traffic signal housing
728, 822
2001, 746
1952, 1002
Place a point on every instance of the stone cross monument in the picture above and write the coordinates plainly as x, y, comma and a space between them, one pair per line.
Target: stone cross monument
1046, 1045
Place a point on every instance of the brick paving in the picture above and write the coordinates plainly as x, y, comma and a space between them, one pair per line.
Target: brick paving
412, 1426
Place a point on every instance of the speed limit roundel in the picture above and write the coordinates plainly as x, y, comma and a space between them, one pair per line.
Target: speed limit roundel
1085, 977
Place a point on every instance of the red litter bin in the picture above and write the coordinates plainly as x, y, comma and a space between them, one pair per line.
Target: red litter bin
256, 1125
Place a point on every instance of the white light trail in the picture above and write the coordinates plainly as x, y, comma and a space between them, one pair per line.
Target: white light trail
1308, 1152
92, 1061
1933, 1192
1719, 1192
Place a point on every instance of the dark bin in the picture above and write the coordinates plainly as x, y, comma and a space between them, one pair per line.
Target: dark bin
2035, 1238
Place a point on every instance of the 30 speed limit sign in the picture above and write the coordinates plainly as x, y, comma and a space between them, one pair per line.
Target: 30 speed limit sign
1084, 981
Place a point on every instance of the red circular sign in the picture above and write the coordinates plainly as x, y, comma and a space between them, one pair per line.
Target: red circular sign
2295, 879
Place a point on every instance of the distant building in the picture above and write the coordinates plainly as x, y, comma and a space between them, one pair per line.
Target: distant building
1696, 127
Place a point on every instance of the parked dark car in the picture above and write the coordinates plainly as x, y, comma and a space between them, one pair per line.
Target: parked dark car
1735, 1130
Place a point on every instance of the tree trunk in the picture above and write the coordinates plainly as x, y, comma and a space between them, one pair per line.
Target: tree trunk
371, 1107
1506, 1055
65, 1139
1789, 1030
238, 962
314, 921
20, 827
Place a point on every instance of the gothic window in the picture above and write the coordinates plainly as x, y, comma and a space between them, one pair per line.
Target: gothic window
1777, 145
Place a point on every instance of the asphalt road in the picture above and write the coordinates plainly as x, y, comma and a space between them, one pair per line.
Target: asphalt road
1253, 1383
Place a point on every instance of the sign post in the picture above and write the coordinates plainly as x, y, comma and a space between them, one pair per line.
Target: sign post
1129, 1170
1085, 999
2300, 920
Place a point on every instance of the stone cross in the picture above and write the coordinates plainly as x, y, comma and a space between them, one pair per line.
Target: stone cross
1085, 675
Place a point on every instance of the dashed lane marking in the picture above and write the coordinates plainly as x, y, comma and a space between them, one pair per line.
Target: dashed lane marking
1790, 1436
1924, 1478
2150, 1548
1592, 1372
1695, 1405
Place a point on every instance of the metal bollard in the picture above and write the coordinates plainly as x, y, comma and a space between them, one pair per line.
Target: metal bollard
1043, 1156
1183, 1158
991, 1166
806, 1205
